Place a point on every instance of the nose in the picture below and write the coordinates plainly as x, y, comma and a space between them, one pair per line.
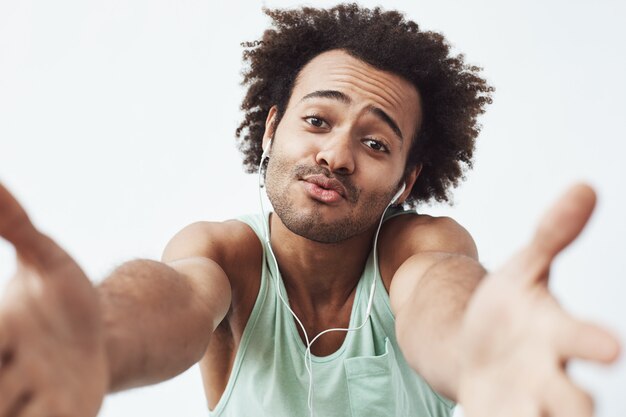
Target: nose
336, 154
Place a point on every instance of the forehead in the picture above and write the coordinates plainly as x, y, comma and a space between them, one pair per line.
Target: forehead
364, 84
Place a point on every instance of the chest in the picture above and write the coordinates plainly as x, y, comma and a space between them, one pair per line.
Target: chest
362, 374
323, 327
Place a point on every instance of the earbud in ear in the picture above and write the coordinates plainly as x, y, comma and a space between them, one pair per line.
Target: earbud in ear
398, 194
266, 152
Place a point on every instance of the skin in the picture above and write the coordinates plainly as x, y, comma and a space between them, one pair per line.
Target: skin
340, 136
151, 320
320, 266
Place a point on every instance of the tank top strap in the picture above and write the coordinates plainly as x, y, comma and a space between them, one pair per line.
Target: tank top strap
255, 221
381, 296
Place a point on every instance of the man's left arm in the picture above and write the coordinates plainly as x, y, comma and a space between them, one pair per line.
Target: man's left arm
429, 294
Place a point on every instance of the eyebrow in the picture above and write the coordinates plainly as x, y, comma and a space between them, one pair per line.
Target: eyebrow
344, 98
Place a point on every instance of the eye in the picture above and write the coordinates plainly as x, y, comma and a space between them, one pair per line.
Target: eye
316, 121
376, 145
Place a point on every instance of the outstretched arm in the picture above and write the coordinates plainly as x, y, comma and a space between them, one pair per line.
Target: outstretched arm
64, 343
429, 294
502, 349
158, 317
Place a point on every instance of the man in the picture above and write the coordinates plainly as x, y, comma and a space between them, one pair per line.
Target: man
348, 111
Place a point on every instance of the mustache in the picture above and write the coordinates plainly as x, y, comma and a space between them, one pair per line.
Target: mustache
352, 191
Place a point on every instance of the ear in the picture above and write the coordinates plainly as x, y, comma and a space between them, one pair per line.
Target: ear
409, 181
270, 125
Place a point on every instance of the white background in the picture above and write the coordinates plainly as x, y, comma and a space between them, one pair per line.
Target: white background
117, 129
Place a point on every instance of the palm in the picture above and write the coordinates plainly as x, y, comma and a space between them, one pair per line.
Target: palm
50, 331
517, 339
524, 338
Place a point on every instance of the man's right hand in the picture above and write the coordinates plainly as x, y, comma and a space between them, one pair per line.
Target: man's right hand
52, 352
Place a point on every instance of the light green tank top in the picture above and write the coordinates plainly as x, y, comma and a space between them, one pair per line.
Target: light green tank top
366, 377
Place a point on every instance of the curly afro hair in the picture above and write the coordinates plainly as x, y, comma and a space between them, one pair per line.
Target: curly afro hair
452, 93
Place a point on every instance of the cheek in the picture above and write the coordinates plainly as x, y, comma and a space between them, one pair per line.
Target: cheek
279, 171
289, 153
295, 141
379, 193
275, 170
278, 162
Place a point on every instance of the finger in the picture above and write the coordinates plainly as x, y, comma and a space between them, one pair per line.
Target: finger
15, 226
577, 339
562, 398
559, 226
564, 221
31, 245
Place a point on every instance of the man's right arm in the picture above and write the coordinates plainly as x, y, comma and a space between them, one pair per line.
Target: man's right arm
158, 316
65, 343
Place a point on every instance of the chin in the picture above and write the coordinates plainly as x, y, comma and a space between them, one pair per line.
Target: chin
319, 225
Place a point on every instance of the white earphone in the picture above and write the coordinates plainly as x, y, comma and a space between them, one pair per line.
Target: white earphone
398, 194
266, 151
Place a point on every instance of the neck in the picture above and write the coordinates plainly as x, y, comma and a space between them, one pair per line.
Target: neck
319, 274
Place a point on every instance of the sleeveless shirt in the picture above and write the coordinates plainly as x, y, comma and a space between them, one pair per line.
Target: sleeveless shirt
366, 377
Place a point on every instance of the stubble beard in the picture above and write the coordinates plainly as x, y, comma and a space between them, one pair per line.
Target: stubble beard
310, 224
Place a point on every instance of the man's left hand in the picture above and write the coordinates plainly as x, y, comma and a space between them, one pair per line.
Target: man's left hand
517, 340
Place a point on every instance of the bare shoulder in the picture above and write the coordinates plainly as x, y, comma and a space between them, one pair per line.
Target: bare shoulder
232, 245
222, 242
410, 234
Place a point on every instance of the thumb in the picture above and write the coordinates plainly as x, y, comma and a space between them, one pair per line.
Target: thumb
558, 227
15, 226
31, 246
564, 221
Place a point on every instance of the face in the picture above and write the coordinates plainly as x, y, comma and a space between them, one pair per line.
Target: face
339, 152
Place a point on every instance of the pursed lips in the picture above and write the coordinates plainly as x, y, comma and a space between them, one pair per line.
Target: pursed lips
327, 183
